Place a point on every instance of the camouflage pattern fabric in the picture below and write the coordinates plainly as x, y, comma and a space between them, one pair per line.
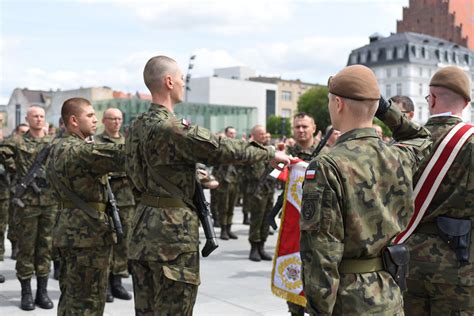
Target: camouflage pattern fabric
359, 200
260, 200
3, 225
159, 143
83, 280
228, 186
122, 189
215, 197
433, 264
33, 223
84, 243
178, 287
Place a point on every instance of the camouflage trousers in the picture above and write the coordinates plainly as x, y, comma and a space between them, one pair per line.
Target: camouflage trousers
295, 309
246, 197
83, 280
35, 241
215, 196
119, 261
430, 299
3, 225
226, 203
259, 210
166, 288
12, 229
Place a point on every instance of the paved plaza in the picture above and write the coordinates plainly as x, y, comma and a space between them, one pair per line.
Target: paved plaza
230, 283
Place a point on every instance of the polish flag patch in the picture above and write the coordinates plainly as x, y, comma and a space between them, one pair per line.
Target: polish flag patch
310, 174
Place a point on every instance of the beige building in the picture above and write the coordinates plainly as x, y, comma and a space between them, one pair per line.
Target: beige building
288, 93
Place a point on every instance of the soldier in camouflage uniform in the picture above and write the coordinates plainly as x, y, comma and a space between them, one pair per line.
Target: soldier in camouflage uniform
162, 152
122, 189
356, 198
439, 284
304, 128
4, 199
260, 200
227, 193
82, 230
34, 221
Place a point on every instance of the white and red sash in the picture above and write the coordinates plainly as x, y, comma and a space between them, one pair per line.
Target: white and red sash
433, 175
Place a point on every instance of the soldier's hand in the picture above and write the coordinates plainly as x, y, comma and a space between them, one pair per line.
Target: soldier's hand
280, 157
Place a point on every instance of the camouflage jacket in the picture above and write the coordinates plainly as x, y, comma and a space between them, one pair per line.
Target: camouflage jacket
432, 259
304, 154
253, 173
225, 174
119, 182
83, 167
4, 183
159, 143
360, 198
18, 155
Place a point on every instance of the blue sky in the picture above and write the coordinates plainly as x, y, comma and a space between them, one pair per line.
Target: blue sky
68, 44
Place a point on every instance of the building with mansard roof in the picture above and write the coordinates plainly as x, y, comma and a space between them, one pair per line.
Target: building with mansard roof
405, 62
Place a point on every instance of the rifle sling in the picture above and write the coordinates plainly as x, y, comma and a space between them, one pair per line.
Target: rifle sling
40, 157
76, 200
173, 190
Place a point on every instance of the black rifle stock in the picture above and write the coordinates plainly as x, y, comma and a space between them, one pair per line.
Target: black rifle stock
113, 211
29, 179
279, 203
202, 208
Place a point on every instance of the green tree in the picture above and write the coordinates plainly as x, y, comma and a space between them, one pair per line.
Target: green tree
278, 126
315, 103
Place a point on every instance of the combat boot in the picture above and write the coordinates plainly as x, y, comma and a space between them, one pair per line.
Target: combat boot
246, 219
27, 303
2, 278
14, 250
109, 298
224, 232
265, 256
254, 254
118, 290
56, 269
230, 233
42, 299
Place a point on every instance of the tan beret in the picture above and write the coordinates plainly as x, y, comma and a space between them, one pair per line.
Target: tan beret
355, 82
454, 79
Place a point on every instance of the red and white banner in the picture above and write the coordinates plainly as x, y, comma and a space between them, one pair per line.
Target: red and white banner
286, 274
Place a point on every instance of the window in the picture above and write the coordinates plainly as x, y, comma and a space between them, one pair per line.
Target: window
286, 95
389, 72
285, 112
400, 52
363, 58
373, 56
420, 89
399, 71
420, 70
389, 54
388, 91
399, 89
420, 113
354, 59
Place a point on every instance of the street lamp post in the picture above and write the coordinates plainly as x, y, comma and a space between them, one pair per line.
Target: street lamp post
188, 76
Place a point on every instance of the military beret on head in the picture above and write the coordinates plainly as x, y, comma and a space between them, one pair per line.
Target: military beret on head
355, 82
454, 79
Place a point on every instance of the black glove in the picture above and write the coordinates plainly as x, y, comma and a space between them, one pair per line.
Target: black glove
383, 108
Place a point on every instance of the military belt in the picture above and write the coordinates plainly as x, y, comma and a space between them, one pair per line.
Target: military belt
159, 202
361, 265
98, 206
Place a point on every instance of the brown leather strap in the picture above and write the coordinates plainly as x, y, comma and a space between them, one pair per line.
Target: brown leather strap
159, 202
361, 265
99, 207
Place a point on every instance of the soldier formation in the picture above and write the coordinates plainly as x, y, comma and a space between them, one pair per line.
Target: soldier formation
363, 248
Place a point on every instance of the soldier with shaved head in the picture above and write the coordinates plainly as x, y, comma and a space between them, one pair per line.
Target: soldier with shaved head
35, 213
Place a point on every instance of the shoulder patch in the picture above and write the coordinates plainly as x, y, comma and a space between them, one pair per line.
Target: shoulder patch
185, 123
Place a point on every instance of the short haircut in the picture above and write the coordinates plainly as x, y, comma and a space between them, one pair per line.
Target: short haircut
73, 106
17, 128
301, 115
156, 69
228, 128
255, 128
406, 102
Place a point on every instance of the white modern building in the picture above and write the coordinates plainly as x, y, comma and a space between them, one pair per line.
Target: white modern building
405, 62
229, 87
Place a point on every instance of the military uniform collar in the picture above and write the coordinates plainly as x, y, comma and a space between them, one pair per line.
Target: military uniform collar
309, 150
28, 136
357, 134
106, 136
157, 107
442, 120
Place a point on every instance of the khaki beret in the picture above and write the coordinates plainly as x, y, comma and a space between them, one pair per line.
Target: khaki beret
454, 79
355, 82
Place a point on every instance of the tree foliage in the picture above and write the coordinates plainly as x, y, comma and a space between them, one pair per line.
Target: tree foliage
278, 126
315, 103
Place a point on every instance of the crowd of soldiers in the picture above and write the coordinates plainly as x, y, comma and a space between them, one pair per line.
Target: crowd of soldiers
358, 199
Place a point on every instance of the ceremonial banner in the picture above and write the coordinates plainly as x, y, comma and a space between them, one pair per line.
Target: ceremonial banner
286, 274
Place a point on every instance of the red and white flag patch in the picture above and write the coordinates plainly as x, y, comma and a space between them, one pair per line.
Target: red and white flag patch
310, 174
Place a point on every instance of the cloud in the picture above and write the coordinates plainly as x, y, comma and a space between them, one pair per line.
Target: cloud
221, 17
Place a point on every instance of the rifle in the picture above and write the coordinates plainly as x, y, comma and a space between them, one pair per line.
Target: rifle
279, 203
113, 212
202, 208
29, 180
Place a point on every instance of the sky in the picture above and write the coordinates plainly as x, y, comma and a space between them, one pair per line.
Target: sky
46, 44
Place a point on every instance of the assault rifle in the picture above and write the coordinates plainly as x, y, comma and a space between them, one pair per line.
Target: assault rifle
113, 211
202, 208
29, 180
279, 203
